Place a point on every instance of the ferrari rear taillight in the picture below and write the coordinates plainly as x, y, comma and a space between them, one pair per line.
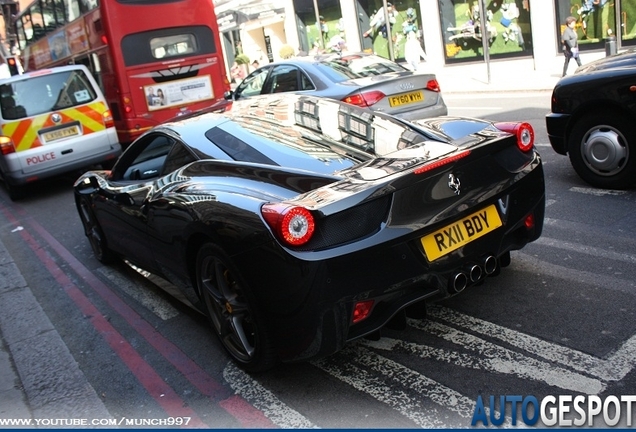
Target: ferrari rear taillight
6, 145
441, 162
433, 85
529, 221
362, 310
364, 99
292, 224
523, 131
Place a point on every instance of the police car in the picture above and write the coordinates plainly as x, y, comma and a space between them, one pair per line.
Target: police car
53, 121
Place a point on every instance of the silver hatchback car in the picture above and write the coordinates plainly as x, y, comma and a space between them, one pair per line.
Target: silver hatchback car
365, 80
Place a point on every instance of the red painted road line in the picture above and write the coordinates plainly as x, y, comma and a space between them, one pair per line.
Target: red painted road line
240, 407
163, 394
245, 414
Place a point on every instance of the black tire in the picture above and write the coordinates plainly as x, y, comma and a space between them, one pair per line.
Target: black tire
94, 232
15, 192
602, 150
233, 312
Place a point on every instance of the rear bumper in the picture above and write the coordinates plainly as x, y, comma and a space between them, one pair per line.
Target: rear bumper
556, 126
311, 302
18, 177
437, 110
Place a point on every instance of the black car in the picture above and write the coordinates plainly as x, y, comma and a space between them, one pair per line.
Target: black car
298, 224
593, 120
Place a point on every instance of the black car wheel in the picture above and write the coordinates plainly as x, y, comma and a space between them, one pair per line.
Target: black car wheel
15, 192
232, 311
94, 232
602, 150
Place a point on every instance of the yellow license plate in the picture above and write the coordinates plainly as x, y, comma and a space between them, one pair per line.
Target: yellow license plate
60, 133
453, 236
406, 98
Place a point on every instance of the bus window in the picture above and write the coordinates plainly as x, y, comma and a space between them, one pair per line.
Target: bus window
170, 46
72, 10
166, 42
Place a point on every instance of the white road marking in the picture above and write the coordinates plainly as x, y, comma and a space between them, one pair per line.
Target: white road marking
597, 192
531, 264
614, 368
484, 108
376, 387
495, 358
410, 393
487, 95
586, 250
264, 400
150, 300
341, 367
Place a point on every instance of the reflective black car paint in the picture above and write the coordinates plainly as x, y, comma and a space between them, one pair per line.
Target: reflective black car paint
370, 218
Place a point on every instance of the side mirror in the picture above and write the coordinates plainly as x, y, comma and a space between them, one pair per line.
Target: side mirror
124, 199
228, 95
88, 186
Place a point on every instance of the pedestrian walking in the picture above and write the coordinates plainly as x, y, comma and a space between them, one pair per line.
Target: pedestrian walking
570, 42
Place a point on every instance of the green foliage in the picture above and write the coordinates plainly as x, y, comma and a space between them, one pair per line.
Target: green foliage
286, 52
242, 59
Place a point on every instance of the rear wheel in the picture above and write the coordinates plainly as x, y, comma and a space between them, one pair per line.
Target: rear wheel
602, 150
94, 232
233, 311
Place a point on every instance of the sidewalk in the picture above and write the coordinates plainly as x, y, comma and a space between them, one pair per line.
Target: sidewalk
516, 75
13, 401
39, 378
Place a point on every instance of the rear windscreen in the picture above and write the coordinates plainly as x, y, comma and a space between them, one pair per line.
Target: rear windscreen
348, 67
45, 93
157, 45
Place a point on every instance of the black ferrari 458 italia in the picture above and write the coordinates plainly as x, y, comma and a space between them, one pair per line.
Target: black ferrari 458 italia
298, 224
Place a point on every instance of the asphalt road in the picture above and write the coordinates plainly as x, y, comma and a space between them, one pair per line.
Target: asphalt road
560, 320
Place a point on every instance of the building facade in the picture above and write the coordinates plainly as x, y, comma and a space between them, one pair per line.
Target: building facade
448, 31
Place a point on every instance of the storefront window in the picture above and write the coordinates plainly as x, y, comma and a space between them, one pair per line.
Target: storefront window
507, 29
595, 20
404, 22
325, 34
628, 22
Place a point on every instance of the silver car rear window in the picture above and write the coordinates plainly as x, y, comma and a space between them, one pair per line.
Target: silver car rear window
357, 66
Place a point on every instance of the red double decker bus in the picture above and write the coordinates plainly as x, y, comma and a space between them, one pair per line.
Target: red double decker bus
154, 59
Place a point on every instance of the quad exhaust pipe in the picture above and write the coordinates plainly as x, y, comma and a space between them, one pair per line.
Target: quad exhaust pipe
490, 264
473, 273
459, 282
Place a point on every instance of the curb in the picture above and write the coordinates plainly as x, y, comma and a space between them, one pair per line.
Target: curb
39, 376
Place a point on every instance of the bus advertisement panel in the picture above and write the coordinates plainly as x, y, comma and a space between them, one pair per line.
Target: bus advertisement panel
153, 59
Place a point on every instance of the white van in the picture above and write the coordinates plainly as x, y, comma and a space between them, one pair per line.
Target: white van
53, 121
